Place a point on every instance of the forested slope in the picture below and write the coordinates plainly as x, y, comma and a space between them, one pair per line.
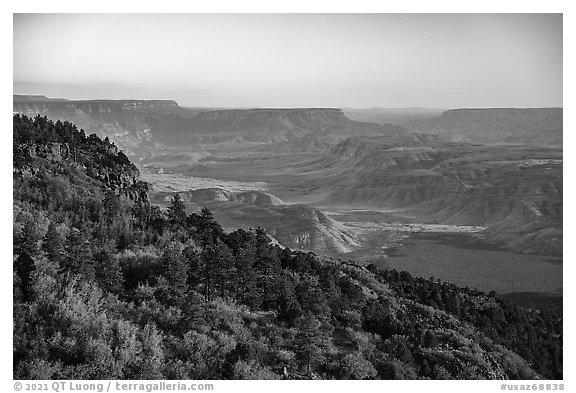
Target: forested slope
107, 286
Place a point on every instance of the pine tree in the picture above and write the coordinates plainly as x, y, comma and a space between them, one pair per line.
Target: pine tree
239, 239
268, 266
246, 279
24, 266
108, 272
193, 312
262, 239
28, 239
53, 243
175, 269
195, 266
208, 231
219, 272
312, 299
309, 342
288, 307
79, 258
177, 211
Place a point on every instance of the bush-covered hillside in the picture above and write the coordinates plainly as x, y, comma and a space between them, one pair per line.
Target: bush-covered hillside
107, 286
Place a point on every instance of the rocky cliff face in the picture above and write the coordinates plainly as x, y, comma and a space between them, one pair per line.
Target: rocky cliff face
53, 151
122, 179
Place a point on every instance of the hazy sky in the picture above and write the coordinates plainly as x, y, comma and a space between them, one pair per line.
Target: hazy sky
294, 60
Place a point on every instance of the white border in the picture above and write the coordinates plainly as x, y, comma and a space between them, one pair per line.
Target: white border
299, 6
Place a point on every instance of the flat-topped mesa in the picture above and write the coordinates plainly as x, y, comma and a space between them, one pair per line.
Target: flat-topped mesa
310, 118
539, 126
126, 105
305, 112
501, 113
44, 105
18, 98
261, 125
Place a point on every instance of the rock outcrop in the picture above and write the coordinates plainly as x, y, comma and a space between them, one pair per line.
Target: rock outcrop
98, 160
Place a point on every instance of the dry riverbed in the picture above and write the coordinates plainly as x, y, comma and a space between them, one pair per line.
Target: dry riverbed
179, 183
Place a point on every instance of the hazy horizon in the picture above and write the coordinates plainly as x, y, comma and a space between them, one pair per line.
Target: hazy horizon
284, 107
352, 61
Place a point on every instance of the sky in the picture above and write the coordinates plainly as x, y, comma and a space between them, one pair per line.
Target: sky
293, 60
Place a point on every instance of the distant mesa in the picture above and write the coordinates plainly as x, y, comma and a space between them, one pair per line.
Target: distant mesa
400, 116
31, 105
19, 99
142, 127
532, 126
266, 125
139, 126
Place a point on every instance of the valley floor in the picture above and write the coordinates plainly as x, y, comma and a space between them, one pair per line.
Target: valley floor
455, 254
394, 239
